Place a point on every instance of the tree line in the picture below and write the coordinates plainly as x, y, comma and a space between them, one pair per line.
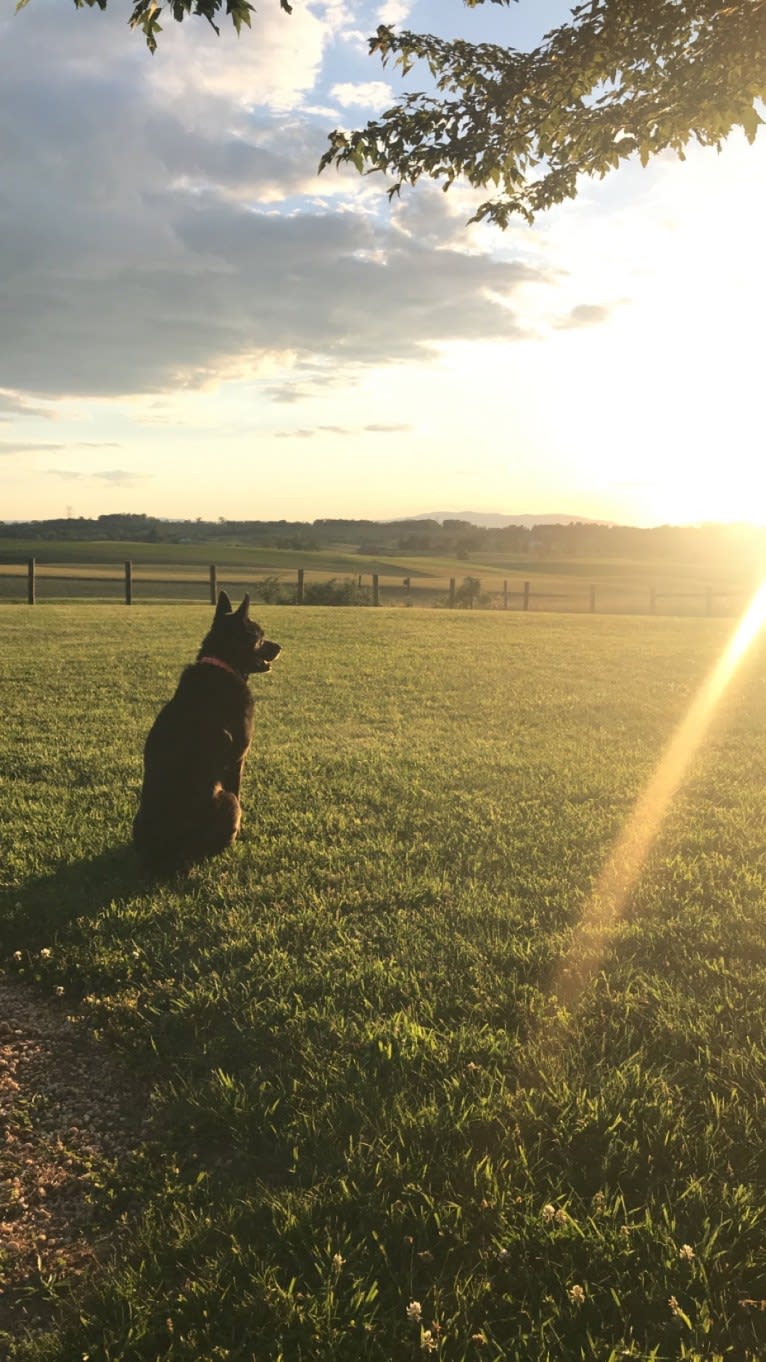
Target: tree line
452, 537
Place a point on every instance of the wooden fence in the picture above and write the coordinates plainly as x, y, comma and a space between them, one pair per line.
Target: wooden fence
367, 589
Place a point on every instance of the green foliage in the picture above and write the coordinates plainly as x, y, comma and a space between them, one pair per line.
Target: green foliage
334, 592
146, 13
469, 594
622, 78
365, 1094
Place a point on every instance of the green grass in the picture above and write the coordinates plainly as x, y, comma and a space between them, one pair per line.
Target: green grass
364, 1092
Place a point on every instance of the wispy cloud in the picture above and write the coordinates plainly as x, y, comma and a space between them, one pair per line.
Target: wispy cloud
585, 314
117, 477
16, 447
371, 94
373, 428
13, 447
16, 404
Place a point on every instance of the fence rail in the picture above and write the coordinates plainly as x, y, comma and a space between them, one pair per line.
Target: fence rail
131, 583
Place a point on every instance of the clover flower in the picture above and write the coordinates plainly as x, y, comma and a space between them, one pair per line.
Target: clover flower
686, 1252
576, 1294
427, 1341
414, 1311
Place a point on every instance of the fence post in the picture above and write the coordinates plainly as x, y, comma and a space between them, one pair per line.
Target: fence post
407, 585
526, 595
652, 600
299, 596
128, 582
30, 581
375, 589
505, 595
592, 600
213, 584
452, 593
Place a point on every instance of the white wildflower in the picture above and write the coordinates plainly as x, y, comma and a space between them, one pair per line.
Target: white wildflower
46, 953
17, 955
674, 1306
414, 1311
576, 1294
427, 1341
59, 990
549, 1212
686, 1252
337, 1261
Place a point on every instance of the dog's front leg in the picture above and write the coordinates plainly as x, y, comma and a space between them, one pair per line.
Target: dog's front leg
233, 777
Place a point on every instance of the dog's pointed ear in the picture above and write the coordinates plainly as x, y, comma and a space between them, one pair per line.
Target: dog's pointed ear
223, 607
241, 611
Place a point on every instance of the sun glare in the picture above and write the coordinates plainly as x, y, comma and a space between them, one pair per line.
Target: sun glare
628, 855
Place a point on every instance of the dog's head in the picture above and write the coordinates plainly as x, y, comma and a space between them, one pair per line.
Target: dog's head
236, 639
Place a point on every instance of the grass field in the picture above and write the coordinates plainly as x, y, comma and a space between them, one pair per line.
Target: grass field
365, 1092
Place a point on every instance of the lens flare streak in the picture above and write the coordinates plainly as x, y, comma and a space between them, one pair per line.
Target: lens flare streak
629, 853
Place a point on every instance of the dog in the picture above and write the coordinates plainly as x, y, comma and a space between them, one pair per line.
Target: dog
197, 745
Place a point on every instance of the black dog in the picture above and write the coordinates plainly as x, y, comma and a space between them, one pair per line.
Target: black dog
197, 745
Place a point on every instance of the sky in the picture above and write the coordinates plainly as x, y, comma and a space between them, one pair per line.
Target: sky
194, 324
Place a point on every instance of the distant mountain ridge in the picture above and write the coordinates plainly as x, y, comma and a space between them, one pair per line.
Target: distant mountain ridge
490, 520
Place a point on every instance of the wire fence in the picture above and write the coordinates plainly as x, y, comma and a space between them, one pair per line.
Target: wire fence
131, 584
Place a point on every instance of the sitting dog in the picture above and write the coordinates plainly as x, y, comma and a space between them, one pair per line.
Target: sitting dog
197, 745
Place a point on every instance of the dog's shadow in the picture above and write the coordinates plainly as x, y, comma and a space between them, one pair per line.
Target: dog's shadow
73, 896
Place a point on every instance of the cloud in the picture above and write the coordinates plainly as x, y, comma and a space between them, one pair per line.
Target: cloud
15, 404
117, 477
152, 234
273, 66
287, 393
371, 94
388, 429
13, 447
373, 428
584, 314
394, 11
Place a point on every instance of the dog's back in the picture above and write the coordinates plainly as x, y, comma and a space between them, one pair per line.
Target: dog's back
196, 747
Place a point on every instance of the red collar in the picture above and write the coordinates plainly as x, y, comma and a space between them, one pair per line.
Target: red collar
216, 662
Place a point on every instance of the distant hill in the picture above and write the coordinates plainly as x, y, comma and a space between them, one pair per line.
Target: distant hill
489, 520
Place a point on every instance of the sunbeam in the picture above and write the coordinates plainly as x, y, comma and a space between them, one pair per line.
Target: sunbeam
629, 853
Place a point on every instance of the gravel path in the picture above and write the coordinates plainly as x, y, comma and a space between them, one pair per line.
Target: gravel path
66, 1111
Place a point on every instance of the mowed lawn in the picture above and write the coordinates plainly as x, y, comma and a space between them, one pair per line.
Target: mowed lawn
377, 1133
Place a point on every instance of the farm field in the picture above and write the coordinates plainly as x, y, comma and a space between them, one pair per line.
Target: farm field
93, 570
376, 1130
